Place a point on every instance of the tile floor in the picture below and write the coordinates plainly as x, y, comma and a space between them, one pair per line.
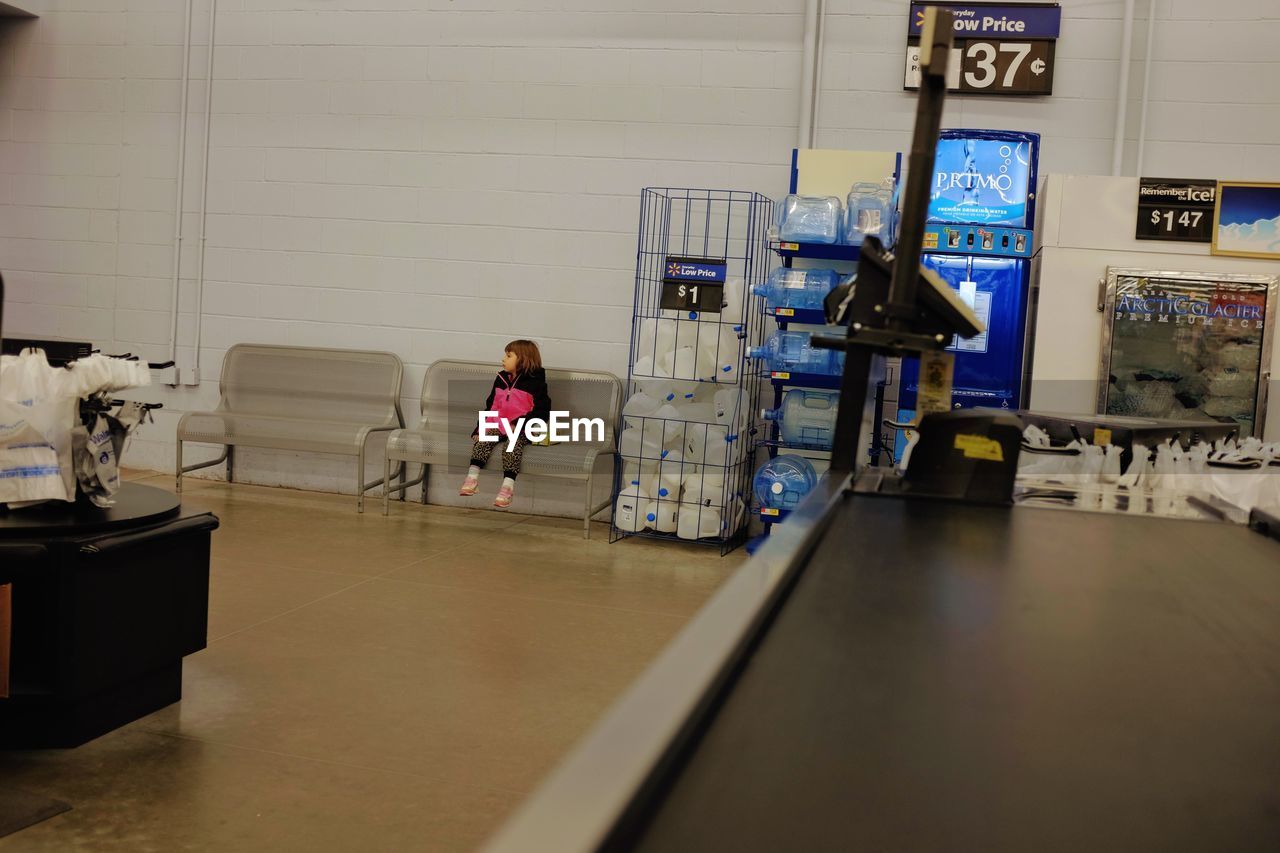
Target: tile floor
372, 683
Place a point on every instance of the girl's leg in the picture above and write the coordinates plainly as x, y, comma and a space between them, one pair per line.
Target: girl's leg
480, 453
511, 462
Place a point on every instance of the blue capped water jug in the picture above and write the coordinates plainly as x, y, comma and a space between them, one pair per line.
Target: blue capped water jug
810, 219
806, 417
792, 352
791, 288
782, 482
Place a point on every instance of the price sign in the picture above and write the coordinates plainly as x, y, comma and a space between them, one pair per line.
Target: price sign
999, 50
684, 296
693, 284
1176, 209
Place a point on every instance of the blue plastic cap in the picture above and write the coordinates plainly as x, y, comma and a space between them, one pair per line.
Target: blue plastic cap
727, 368
671, 396
650, 517
664, 454
693, 315
662, 493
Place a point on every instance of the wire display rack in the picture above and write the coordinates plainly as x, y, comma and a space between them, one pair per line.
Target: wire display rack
687, 448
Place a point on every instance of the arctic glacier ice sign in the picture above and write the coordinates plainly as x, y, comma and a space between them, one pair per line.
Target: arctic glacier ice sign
984, 178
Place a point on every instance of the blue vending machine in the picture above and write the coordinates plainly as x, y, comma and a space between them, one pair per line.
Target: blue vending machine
979, 240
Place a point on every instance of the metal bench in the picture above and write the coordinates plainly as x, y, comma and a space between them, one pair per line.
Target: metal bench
299, 398
448, 417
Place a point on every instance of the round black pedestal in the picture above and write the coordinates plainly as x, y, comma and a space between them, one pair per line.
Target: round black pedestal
136, 505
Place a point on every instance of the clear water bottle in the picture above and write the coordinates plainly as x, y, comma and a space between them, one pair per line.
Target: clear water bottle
869, 212
806, 417
810, 219
792, 352
790, 288
782, 482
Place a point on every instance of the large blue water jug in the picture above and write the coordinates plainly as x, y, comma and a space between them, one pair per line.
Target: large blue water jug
810, 219
869, 212
788, 288
807, 417
791, 352
782, 482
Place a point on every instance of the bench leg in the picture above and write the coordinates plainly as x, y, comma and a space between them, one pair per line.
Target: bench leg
231, 463
386, 486
426, 469
177, 483
360, 480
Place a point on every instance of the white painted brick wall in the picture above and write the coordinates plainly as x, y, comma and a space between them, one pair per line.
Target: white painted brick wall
436, 177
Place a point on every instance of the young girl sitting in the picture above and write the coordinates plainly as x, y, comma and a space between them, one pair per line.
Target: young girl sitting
519, 391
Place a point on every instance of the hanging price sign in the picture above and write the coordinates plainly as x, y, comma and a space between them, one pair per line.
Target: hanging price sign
1177, 209
999, 49
693, 284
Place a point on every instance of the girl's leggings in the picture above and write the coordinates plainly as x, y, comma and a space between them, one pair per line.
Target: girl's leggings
511, 461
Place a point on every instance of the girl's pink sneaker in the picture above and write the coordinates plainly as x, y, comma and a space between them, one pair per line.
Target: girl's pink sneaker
504, 497
469, 486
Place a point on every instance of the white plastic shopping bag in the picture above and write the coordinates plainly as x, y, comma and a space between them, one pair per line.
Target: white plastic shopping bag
36, 417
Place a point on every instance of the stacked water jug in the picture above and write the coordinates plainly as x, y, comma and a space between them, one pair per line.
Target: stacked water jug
687, 423
869, 209
681, 447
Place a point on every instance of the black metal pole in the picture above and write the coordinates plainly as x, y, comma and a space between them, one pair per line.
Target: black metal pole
935, 51
853, 401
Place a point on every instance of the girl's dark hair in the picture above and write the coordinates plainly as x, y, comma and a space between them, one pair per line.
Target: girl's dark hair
527, 355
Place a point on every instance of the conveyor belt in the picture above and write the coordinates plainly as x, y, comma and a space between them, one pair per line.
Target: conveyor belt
956, 677
892, 674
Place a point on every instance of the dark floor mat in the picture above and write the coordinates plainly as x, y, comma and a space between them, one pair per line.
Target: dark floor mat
18, 810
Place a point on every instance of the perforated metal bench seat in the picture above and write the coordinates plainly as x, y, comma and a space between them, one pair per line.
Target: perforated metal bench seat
444, 435
299, 398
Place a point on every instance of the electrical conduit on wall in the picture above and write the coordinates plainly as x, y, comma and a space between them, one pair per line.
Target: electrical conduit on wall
178, 202
204, 195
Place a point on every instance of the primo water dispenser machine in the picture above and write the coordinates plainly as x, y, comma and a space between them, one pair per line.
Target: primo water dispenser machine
979, 240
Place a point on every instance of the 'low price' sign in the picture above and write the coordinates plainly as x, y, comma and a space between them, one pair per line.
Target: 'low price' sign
999, 49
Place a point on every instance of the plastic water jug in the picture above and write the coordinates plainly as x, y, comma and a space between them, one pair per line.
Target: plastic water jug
791, 352
668, 421
629, 509
642, 439
806, 417
655, 339
732, 302
671, 471
694, 412
662, 516
641, 404
732, 408
782, 482
681, 364
704, 487
791, 288
698, 522
709, 445
810, 219
869, 211
719, 355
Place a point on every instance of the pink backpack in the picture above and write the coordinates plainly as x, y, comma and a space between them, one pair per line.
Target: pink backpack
511, 403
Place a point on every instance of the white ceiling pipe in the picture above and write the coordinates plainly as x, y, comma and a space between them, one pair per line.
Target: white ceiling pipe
1122, 93
1146, 87
175, 289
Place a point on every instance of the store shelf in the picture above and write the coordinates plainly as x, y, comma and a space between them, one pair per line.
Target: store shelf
804, 380
816, 251
807, 316
784, 445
